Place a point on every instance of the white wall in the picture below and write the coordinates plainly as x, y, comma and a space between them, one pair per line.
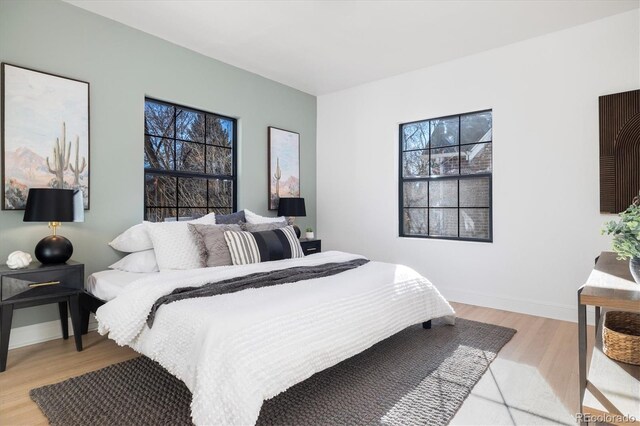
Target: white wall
544, 94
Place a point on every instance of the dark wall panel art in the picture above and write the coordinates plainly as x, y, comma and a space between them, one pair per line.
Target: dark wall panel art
619, 150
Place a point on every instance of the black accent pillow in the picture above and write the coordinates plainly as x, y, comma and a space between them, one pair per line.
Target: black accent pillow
264, 246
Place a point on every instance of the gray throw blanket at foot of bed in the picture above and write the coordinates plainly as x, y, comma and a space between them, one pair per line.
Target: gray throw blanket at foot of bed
257, 280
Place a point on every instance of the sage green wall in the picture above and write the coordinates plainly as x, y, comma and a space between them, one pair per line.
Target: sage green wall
123, 66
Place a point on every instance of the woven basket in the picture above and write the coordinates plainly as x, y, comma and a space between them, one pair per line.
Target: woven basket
621, 336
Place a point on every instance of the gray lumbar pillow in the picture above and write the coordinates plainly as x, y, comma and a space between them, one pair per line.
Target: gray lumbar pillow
233, 218
212, 246
259, 227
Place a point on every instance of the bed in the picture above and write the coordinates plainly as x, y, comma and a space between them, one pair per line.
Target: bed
107, 285
233, 351
103, 286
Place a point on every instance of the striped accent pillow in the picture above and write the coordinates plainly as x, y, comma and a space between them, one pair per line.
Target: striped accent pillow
264, 246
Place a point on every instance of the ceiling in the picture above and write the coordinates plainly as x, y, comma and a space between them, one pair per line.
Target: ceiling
324, 46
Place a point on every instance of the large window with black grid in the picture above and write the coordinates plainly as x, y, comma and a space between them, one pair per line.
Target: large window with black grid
446, 177
189, 162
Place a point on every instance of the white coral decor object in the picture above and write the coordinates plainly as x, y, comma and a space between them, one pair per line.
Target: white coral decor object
18, 260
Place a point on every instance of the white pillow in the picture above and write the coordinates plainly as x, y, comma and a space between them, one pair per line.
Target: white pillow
133, 239
252, 217
174, 244
137, 238
208, 219
141, 261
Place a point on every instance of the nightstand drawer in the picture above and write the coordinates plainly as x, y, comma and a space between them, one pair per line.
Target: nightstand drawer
34, 283
311, 246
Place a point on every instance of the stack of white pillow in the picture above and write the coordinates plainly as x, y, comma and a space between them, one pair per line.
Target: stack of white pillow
160, 246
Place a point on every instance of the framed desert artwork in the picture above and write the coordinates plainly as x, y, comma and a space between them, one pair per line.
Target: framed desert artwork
284, 165
45, 134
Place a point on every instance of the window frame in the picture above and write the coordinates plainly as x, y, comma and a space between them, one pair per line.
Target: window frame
233, 177
402, 180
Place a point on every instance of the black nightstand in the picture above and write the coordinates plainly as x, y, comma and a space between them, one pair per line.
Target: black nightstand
311, 246
36, 285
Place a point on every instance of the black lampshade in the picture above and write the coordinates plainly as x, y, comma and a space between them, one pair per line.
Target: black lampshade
291, 207
49, 205
53, 206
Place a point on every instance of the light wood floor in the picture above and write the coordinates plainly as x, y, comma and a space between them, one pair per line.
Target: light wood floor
547, 345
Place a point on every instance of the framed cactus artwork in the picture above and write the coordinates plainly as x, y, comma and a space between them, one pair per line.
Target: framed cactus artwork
45, 134
284, 165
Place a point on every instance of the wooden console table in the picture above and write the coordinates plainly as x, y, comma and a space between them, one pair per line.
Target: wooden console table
610, 390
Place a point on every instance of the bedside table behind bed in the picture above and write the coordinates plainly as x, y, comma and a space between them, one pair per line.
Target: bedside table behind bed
311, 246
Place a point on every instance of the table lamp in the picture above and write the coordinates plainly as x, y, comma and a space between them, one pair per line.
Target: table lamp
292, 207
53, 206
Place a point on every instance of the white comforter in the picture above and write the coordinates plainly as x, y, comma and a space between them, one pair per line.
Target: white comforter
234, 351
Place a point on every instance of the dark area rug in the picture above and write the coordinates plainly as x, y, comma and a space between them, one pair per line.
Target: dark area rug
416, 377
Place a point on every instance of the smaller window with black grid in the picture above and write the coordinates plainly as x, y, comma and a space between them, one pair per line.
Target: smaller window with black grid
446, 177
189, 162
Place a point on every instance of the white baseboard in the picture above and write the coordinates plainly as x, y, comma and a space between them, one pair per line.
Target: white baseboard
41, 332
522, 306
